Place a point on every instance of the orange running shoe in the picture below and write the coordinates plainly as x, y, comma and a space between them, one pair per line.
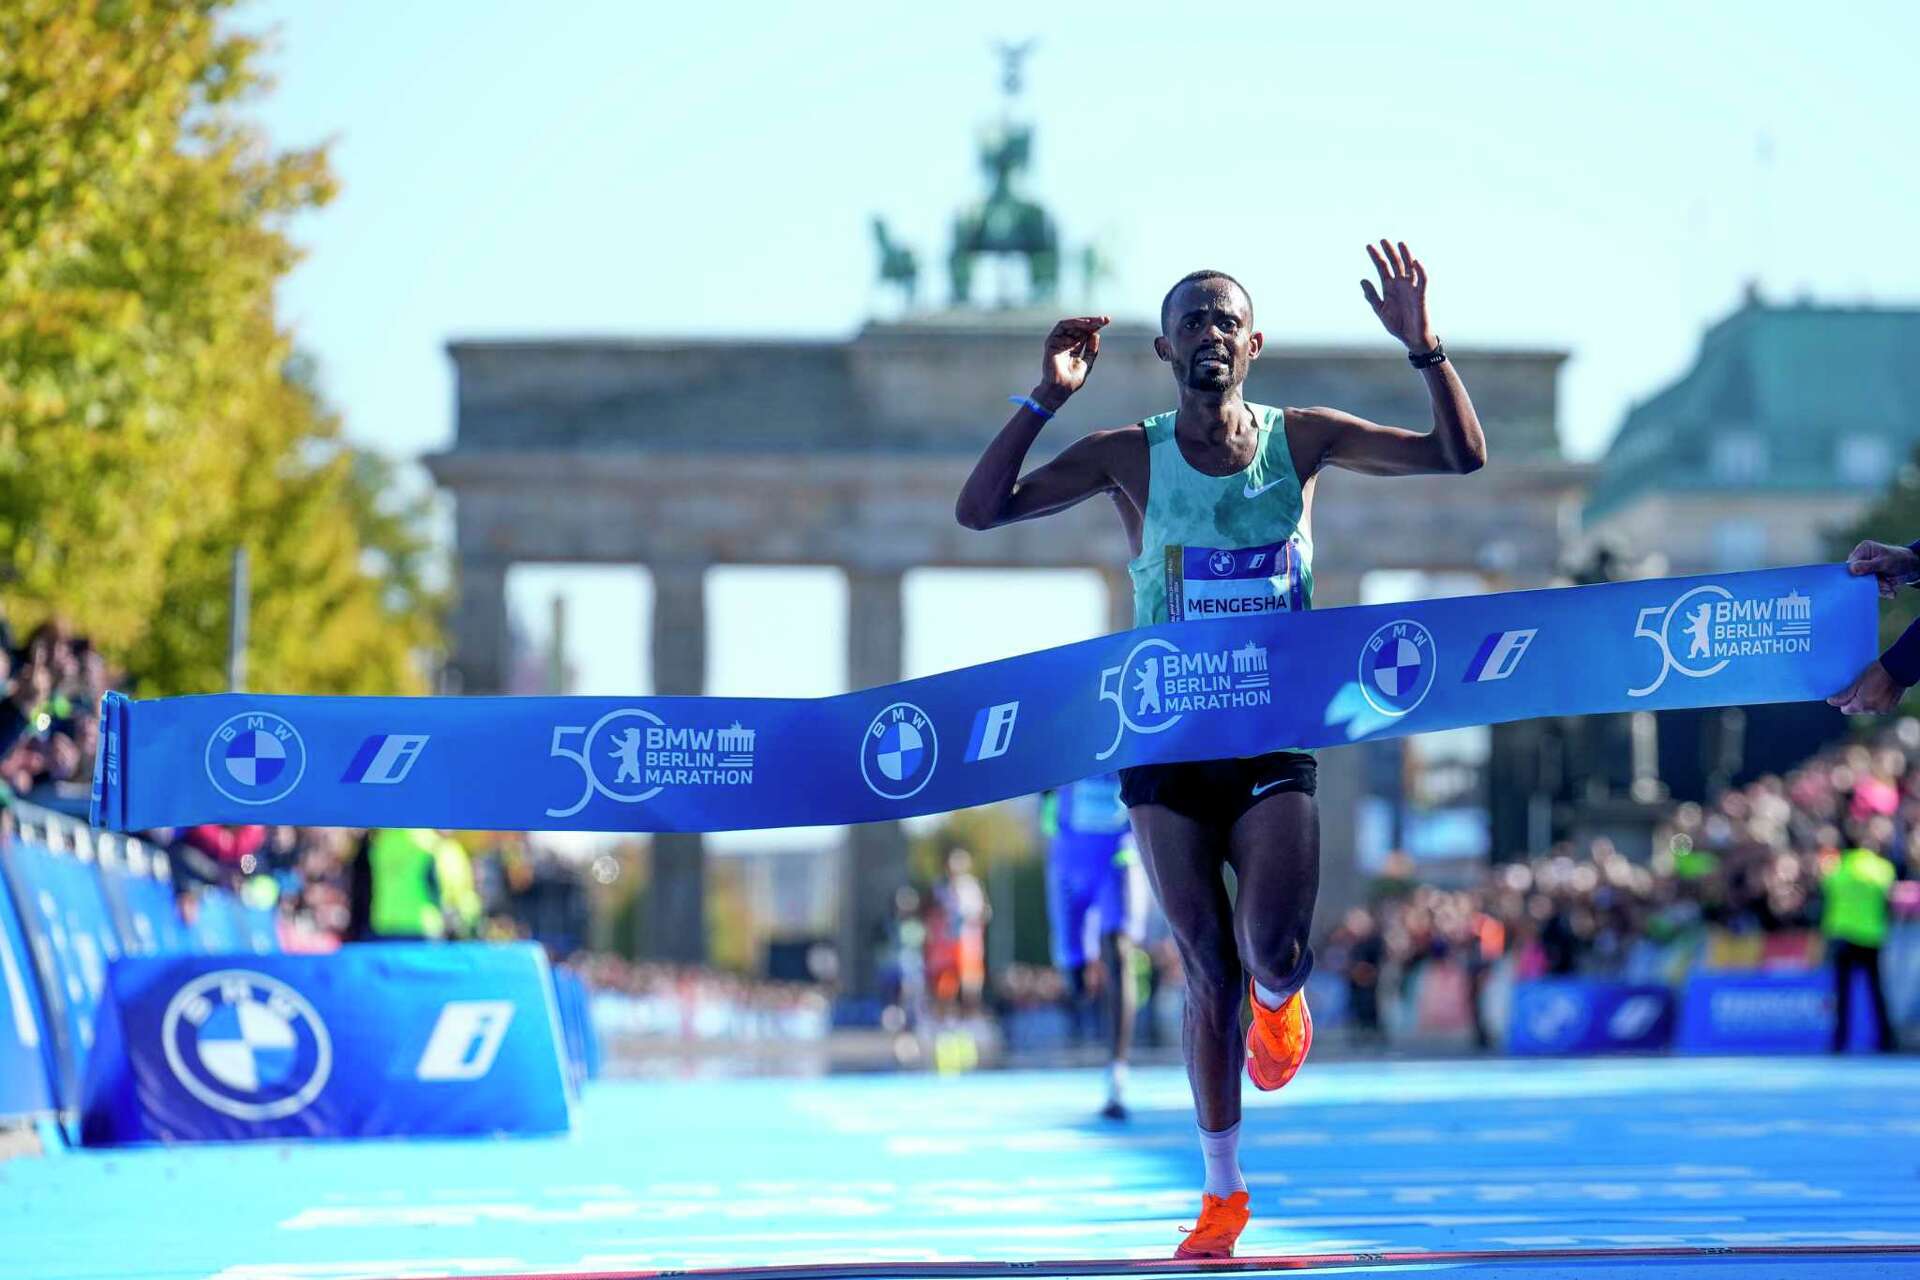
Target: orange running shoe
1278, 1041
1221, 1222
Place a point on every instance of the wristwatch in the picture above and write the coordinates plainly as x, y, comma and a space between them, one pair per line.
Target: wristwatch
1428, 359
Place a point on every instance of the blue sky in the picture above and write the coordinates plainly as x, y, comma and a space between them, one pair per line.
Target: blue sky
1597, 178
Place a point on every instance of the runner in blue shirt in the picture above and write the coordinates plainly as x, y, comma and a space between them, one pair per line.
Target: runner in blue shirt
1094, 886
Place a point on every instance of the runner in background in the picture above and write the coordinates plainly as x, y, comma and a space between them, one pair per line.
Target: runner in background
1095, 891
963, 900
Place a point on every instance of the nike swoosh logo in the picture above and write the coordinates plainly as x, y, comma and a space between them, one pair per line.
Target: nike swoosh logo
1265, 787
1252, 492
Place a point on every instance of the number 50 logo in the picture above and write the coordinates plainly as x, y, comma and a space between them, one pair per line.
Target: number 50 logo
609, 755
1695, 636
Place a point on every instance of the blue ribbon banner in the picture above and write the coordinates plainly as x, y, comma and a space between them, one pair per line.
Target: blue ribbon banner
1182, 691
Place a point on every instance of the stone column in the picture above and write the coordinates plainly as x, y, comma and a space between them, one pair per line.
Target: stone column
1342, 886
876, 854
676, 907
1341, 769
480, 650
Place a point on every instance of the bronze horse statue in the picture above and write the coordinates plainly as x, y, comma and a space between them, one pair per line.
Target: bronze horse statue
897, 263
1006, 223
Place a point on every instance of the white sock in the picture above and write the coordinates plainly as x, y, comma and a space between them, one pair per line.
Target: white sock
1221, 1151
1269, 999
1116, 1081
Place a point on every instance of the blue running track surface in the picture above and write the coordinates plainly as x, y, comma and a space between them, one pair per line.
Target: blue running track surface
1569, 1169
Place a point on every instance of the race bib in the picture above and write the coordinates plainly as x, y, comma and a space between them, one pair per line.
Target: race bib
1214, 582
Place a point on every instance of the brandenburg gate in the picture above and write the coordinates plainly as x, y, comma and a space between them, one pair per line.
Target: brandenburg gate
681, 455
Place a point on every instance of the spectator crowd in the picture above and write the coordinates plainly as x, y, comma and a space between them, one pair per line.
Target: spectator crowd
1732, 884
50, 715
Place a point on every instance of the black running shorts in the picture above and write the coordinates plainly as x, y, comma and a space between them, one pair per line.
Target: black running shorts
1219, 791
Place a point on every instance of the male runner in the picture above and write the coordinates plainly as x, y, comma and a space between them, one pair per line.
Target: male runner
1221, 474
1091, 881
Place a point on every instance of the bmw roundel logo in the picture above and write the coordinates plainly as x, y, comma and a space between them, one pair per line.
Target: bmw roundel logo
1397, 667
247, 1045
255, 757
1221, 562
899, 751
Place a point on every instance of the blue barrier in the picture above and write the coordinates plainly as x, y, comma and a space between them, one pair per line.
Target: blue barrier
570, 997
1574, 1015
26, 1077
140, 891
1767, 1013
594, 1055
261, 926
381, 1040
219, 922
71, 935
1900, 972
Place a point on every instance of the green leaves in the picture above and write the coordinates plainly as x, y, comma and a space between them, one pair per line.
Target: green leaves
149, 418
1894, 518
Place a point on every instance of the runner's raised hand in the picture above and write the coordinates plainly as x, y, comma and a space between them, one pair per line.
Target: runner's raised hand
1072, 347
1401, 300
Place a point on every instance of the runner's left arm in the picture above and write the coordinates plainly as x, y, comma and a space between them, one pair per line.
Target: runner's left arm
1456, 445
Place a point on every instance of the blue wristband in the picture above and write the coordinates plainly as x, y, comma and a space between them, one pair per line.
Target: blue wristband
1030, 403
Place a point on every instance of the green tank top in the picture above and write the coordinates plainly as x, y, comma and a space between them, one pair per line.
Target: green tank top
1221, 546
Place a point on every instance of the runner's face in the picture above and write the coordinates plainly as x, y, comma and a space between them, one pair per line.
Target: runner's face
1209, 338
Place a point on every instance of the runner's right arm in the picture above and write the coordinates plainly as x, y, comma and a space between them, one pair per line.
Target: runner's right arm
996, 493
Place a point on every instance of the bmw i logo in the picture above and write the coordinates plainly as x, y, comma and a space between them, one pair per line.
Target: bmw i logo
899, 752
255, 757
1396, 667
1555, 1018
247, 1045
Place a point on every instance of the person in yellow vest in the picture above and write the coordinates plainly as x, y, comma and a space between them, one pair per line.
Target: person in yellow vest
459, 894
1854, 922
402, 883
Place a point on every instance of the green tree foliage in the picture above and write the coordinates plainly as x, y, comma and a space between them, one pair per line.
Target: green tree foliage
152, 416
1894, 518
994, 834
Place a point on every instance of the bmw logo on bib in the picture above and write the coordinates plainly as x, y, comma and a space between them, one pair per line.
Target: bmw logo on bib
1397, 667
247, 1045
899, 752
255, 757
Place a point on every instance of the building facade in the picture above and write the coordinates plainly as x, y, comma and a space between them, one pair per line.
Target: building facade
1791, 421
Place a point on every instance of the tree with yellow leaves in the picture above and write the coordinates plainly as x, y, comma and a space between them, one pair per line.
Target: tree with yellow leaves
153, 416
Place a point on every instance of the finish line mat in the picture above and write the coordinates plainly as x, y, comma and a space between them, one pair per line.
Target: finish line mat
1542, 1168
1775, 1261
